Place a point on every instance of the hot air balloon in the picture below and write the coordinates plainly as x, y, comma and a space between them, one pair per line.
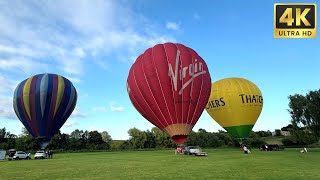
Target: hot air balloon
235, 104
43, 103
169, 85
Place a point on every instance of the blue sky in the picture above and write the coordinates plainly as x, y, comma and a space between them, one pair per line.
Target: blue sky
94, 43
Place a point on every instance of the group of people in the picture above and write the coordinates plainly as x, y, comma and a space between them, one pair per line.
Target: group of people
49, 154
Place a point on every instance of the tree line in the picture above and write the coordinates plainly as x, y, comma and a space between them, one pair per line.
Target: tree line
304, 130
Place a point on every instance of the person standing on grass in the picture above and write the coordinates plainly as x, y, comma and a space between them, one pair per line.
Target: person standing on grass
245, 150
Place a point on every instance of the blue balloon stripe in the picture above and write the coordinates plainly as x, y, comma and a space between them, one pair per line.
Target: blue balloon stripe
38, 104
48, 103
71, 99
15, 103
23, 114
50, 122
73, 105
34, 105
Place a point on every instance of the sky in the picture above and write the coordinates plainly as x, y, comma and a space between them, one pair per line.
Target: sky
94, 43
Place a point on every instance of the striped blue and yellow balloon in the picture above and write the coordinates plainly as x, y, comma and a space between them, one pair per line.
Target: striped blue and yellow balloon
43, 103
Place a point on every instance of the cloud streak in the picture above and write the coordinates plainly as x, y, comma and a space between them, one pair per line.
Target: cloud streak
173, 26
77, 114
70, 123
6, 108
115, 107
99, 109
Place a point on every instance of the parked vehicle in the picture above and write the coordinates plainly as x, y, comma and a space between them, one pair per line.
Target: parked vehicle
21, 155
11, 154
190, 150
271, 147
41, 154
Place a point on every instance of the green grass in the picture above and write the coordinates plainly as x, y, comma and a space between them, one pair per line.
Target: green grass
164, 164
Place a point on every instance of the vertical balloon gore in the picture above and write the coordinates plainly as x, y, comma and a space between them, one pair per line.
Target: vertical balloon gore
179, 139
169, 85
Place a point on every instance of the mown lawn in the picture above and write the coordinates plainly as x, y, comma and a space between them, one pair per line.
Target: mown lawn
164, 164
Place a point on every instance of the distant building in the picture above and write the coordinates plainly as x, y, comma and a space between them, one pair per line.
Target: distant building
282, 133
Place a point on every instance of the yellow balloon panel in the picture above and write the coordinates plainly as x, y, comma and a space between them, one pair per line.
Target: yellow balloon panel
234, 102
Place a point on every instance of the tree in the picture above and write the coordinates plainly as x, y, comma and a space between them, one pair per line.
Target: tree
95, 137
278, 132
150, 141
287, 128
76, 134
106, 137
136, 139
264, 133
305, 111
299, 136
3, 133
162, 139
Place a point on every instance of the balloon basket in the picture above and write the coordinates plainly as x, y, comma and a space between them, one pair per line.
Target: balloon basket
43, 141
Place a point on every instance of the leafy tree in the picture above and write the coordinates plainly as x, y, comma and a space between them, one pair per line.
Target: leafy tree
278, 132
301, 136
95, 137
150, 141
287, 128
264, 133
76, 134
305, 111
162, 139
3, 133
137, 138
106, 137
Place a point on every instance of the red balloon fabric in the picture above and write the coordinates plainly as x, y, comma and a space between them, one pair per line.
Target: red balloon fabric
169, 84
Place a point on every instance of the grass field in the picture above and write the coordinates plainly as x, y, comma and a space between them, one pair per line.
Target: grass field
164, 164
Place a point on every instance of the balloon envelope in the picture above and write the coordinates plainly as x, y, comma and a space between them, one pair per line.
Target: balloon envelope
235, 104
169, 84
43, 103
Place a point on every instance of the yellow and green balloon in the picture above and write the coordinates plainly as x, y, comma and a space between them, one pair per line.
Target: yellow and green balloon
235, 104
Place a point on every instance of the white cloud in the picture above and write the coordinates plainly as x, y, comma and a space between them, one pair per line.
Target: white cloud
23, 64
77, 114
7, 85
70, 123
115, 107
74, 80
196, 16
37, 34
6, 108
101, 109
173, 26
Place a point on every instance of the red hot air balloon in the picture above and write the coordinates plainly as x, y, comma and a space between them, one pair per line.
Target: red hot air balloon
169, 84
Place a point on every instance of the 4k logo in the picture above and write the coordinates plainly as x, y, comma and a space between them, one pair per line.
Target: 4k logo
295, 21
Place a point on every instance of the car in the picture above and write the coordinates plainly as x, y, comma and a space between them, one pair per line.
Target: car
11, 154
21, 155
190, 150
41, 154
